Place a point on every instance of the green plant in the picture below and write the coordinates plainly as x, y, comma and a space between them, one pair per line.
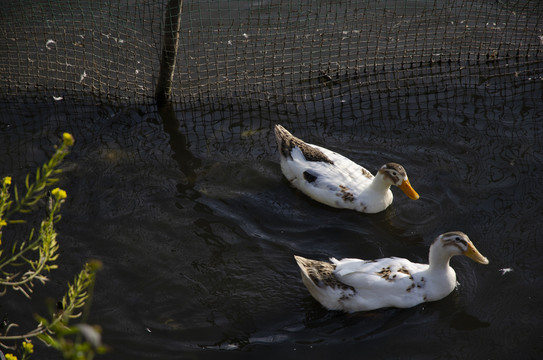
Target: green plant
27, 262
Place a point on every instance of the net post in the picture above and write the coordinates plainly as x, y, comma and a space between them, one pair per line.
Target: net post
172, 26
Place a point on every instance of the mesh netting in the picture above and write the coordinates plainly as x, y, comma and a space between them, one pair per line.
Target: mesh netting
285, 54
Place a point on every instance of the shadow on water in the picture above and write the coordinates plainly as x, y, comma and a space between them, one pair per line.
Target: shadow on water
186, 161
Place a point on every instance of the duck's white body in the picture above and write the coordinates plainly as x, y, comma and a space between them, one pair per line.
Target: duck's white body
361, 285
334, 180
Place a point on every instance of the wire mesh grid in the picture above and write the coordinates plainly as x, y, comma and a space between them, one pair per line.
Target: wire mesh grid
286, 56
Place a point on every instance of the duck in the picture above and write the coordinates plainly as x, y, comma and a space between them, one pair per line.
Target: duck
334, 180
353, 285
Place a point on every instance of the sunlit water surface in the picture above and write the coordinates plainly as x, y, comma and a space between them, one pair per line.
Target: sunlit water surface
197, 228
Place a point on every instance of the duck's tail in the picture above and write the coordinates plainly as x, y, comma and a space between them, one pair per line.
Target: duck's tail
319, 279
318, 272
285, 140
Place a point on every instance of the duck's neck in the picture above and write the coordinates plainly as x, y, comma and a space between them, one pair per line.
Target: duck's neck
379, 184
440, 277
438, 260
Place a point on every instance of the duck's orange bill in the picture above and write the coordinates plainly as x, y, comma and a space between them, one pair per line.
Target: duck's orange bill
408, 190
475, 255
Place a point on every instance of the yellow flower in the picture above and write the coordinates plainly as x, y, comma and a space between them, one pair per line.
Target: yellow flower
59, 193
7, 180
11, 357
68, 139
28, 346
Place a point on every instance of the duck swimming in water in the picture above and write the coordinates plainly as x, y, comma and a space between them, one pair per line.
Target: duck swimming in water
360, 285
334, 180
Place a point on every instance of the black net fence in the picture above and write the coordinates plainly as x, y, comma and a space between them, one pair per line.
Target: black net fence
287, 56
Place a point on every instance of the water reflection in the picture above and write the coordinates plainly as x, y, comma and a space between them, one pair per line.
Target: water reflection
197, 227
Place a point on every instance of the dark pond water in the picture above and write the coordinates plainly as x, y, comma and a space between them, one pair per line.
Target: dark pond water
197, 228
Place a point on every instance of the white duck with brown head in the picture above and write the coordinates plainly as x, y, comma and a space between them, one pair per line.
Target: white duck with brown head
335, 180
361, 285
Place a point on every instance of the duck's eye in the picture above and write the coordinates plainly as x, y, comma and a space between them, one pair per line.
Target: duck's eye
457, 238
394, 173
